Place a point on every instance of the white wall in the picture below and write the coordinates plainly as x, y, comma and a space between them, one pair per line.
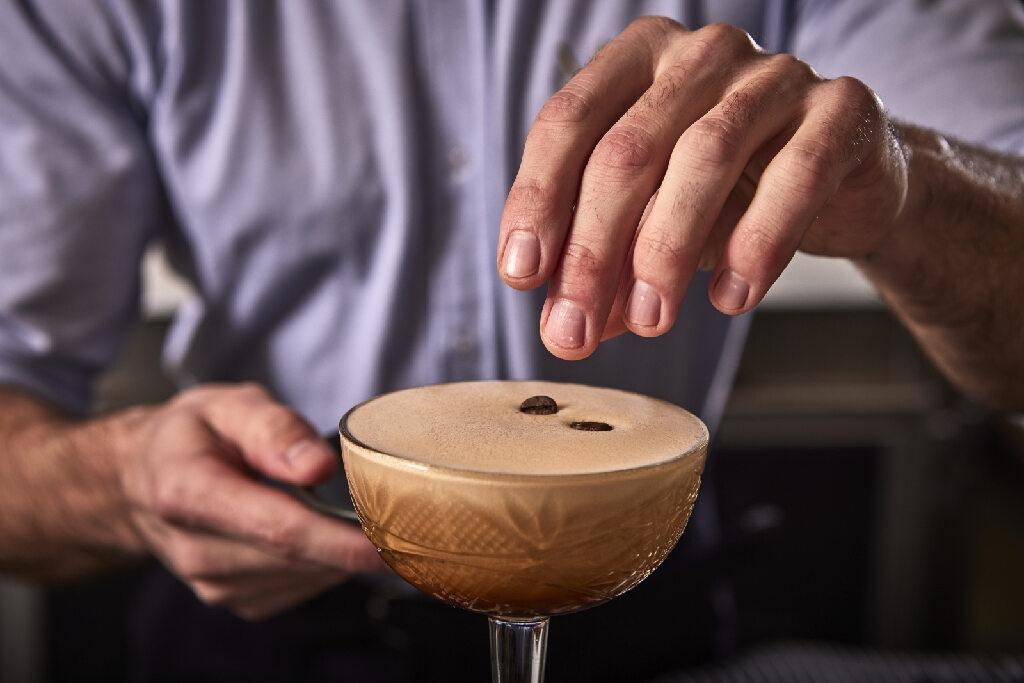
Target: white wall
816, 282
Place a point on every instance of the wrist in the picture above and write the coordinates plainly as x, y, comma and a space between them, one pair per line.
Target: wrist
108, 445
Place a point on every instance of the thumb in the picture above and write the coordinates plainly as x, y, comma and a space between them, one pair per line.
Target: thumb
270, 438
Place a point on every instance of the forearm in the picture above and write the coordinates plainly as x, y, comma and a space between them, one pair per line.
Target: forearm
953, 268
62, 509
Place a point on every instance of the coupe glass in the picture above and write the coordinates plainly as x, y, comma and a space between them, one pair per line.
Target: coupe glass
520, 548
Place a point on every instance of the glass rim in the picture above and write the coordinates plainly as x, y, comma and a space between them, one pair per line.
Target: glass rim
405, 461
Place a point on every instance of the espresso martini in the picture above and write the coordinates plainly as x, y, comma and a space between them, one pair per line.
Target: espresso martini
522, 499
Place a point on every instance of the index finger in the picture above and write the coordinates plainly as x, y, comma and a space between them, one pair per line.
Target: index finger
209, 494
204, 488
271, 438
540, 203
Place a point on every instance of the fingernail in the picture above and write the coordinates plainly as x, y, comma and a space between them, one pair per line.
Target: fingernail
567, 325
731, 291
522, 254
301, 453
644, 307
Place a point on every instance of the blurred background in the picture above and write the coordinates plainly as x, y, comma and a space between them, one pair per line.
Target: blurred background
866, 504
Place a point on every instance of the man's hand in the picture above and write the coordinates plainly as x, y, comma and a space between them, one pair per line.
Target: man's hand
675, 150
198, 505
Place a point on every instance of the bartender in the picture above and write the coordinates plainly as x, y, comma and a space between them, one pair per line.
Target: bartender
331, 178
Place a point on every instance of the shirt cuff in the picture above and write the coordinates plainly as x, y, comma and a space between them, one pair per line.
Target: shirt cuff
66, 386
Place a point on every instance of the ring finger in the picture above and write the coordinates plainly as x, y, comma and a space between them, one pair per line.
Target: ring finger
705, 168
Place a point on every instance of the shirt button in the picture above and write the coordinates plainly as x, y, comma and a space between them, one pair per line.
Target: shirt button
465, 344
458, 159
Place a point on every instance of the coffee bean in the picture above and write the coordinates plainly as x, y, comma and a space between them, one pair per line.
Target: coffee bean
539, 405
584, 426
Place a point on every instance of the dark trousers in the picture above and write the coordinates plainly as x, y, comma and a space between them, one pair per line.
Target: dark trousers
366, 631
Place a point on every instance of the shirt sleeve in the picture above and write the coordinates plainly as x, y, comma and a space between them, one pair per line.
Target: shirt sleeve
953, 65
78, 200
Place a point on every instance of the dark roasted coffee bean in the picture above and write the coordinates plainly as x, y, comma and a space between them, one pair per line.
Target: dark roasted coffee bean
584, 426
539, 405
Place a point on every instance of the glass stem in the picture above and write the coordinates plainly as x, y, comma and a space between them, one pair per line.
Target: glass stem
518, 649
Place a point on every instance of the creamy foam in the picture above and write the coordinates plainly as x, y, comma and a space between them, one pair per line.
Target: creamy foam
478, 426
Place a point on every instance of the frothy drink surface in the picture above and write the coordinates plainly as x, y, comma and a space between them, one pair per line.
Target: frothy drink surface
521, 546
478, 426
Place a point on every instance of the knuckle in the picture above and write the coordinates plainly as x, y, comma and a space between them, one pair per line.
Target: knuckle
666, 88
170, 497
188, 398
736, 113
252, 391
532, 197
790, 68
568, 105
854, 118
628, 148
809, 165
714, 139
656, 25
278, 424
580, 264
859, 100
762, 248
659, 248
720, 36
177, 493
696, 48
854, 91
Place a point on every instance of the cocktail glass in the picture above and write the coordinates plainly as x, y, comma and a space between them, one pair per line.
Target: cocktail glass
520, 548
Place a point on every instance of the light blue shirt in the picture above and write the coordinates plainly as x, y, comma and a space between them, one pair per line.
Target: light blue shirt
329, 176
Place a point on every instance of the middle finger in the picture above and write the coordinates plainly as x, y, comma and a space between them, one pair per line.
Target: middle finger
622, 173
705, 168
